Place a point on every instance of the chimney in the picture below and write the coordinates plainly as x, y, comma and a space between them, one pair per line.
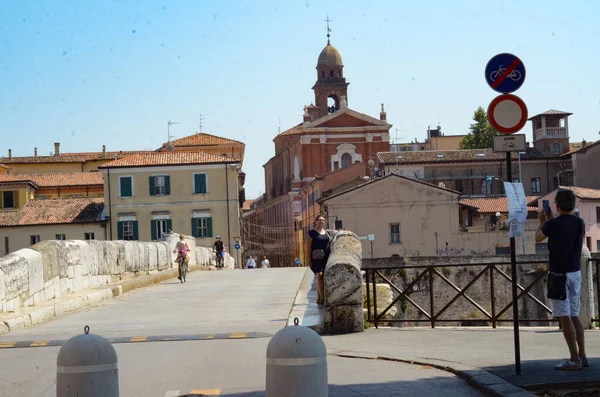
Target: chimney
583, 143
35, 152
10, 153
103, 150
382, 114
57, 148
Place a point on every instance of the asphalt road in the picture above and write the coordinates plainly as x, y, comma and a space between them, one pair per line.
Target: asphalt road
232, 305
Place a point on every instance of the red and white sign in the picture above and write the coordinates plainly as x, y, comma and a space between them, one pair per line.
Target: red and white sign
507, 114
236, 239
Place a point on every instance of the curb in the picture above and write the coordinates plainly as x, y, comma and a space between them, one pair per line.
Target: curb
34, 315
484, 381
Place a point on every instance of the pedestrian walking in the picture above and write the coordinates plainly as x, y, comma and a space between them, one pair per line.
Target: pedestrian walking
318, 241
565, 235
250, 263
264, 263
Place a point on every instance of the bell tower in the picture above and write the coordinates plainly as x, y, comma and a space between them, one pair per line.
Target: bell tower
331, 85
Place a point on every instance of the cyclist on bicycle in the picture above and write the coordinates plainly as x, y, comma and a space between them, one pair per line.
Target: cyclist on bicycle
218, 246
182, 248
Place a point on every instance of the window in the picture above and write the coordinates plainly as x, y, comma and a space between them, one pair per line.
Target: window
336, 165
395, 233
125, 186
588, 242
503, 250
346, 160
61, 237
6, 247
597, 244
486, 186
597, 214
202, 227
160, 227
555, 148
160, 185
128, 230
34, 239
89, 236
8, 199
200, 185
536, 185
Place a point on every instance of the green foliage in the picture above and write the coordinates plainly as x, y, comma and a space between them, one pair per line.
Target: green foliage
446, 271
481, 135
367, 324
403, 274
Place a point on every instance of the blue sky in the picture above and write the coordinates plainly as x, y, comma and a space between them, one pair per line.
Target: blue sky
112, 73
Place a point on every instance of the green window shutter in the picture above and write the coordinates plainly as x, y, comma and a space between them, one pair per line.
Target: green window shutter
126, 187
209, 227
167, 184
152, 184
120, 230
194, 227
153, 230
203, 187
169, 225
200, 183
135, 230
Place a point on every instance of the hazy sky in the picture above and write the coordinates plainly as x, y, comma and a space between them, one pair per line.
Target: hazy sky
114, 72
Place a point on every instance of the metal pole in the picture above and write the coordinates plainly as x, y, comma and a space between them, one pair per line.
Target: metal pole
513, 265
521, 180
371, 249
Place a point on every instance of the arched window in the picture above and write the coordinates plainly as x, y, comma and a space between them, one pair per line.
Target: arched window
331, 72
555, 148
346, 160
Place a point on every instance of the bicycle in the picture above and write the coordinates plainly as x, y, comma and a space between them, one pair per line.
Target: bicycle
515, 75
219, 260
182, 269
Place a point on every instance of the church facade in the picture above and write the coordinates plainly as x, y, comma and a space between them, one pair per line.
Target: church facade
330, 137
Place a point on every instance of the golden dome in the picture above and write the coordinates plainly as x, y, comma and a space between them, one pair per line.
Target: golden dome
329, 57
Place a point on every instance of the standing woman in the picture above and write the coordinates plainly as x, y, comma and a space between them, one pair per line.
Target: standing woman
318, 241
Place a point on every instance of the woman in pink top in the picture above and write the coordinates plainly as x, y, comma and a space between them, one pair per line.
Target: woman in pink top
182, 248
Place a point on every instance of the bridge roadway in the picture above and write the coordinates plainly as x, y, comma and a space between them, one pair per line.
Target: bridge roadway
206, 336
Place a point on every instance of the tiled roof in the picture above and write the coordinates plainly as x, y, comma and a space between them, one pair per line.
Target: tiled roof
585, 193
574, 149
248, 205
294, 130
150, 159
56, 180
552, 112
67, 157
442, 156
55, 211
494, 204
204, 139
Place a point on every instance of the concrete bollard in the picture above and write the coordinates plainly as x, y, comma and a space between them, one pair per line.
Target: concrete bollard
296, 364
87, 366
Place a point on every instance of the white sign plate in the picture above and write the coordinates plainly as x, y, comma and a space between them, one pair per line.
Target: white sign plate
510, 143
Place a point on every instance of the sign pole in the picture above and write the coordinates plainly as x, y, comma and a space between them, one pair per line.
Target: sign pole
513, 265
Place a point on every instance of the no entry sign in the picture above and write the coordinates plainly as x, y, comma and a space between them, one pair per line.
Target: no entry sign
507, 114
505, 73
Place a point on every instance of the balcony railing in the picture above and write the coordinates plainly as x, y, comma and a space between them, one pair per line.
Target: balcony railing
551, 132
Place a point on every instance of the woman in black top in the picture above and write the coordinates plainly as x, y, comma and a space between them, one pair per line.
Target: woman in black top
318, 239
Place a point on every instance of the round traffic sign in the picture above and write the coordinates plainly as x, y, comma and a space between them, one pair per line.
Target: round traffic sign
507, 114
237, 246
505, 73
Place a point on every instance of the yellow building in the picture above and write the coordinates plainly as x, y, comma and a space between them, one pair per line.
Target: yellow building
149, 194
52, 219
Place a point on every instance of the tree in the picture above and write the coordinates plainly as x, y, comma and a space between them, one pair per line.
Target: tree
481, 135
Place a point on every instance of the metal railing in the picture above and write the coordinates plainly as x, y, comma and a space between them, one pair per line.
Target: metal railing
433, 316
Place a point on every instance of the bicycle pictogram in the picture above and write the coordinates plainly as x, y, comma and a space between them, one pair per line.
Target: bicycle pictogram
515, 75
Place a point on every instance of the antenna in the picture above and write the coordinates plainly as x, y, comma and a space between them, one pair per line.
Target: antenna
169, 124
201, 123
279, 128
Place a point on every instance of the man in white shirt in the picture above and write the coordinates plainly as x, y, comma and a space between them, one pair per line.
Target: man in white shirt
265, 262
250, 263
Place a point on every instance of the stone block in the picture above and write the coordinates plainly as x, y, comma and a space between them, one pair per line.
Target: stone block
99, 296
163, 255
2, 285
78, 284
109, 263
28, 302
2, 307
50, 292
73, 256
39, 297
84, 256
344, 319
71, 271
69, 305
16, 275
343, 277
54, 256
41, 314
3, 328
152, 256
66, 286
15, 323
13, 305
96, 255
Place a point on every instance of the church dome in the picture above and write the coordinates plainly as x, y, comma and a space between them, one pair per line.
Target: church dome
329, 57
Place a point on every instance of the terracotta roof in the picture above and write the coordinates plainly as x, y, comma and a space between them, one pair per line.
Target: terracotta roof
150, 159
248, 205
391, 175
294, 130
442, 156
585, 193
204, 139
581, 148
56, 180
55, 211
494, 204
551, 112
67, 157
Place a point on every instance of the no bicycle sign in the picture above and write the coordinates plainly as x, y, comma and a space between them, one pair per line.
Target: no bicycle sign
505, 73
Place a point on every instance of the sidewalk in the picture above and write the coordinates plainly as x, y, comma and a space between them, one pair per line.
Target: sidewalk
467, 351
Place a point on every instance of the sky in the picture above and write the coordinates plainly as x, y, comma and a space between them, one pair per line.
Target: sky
113, 73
